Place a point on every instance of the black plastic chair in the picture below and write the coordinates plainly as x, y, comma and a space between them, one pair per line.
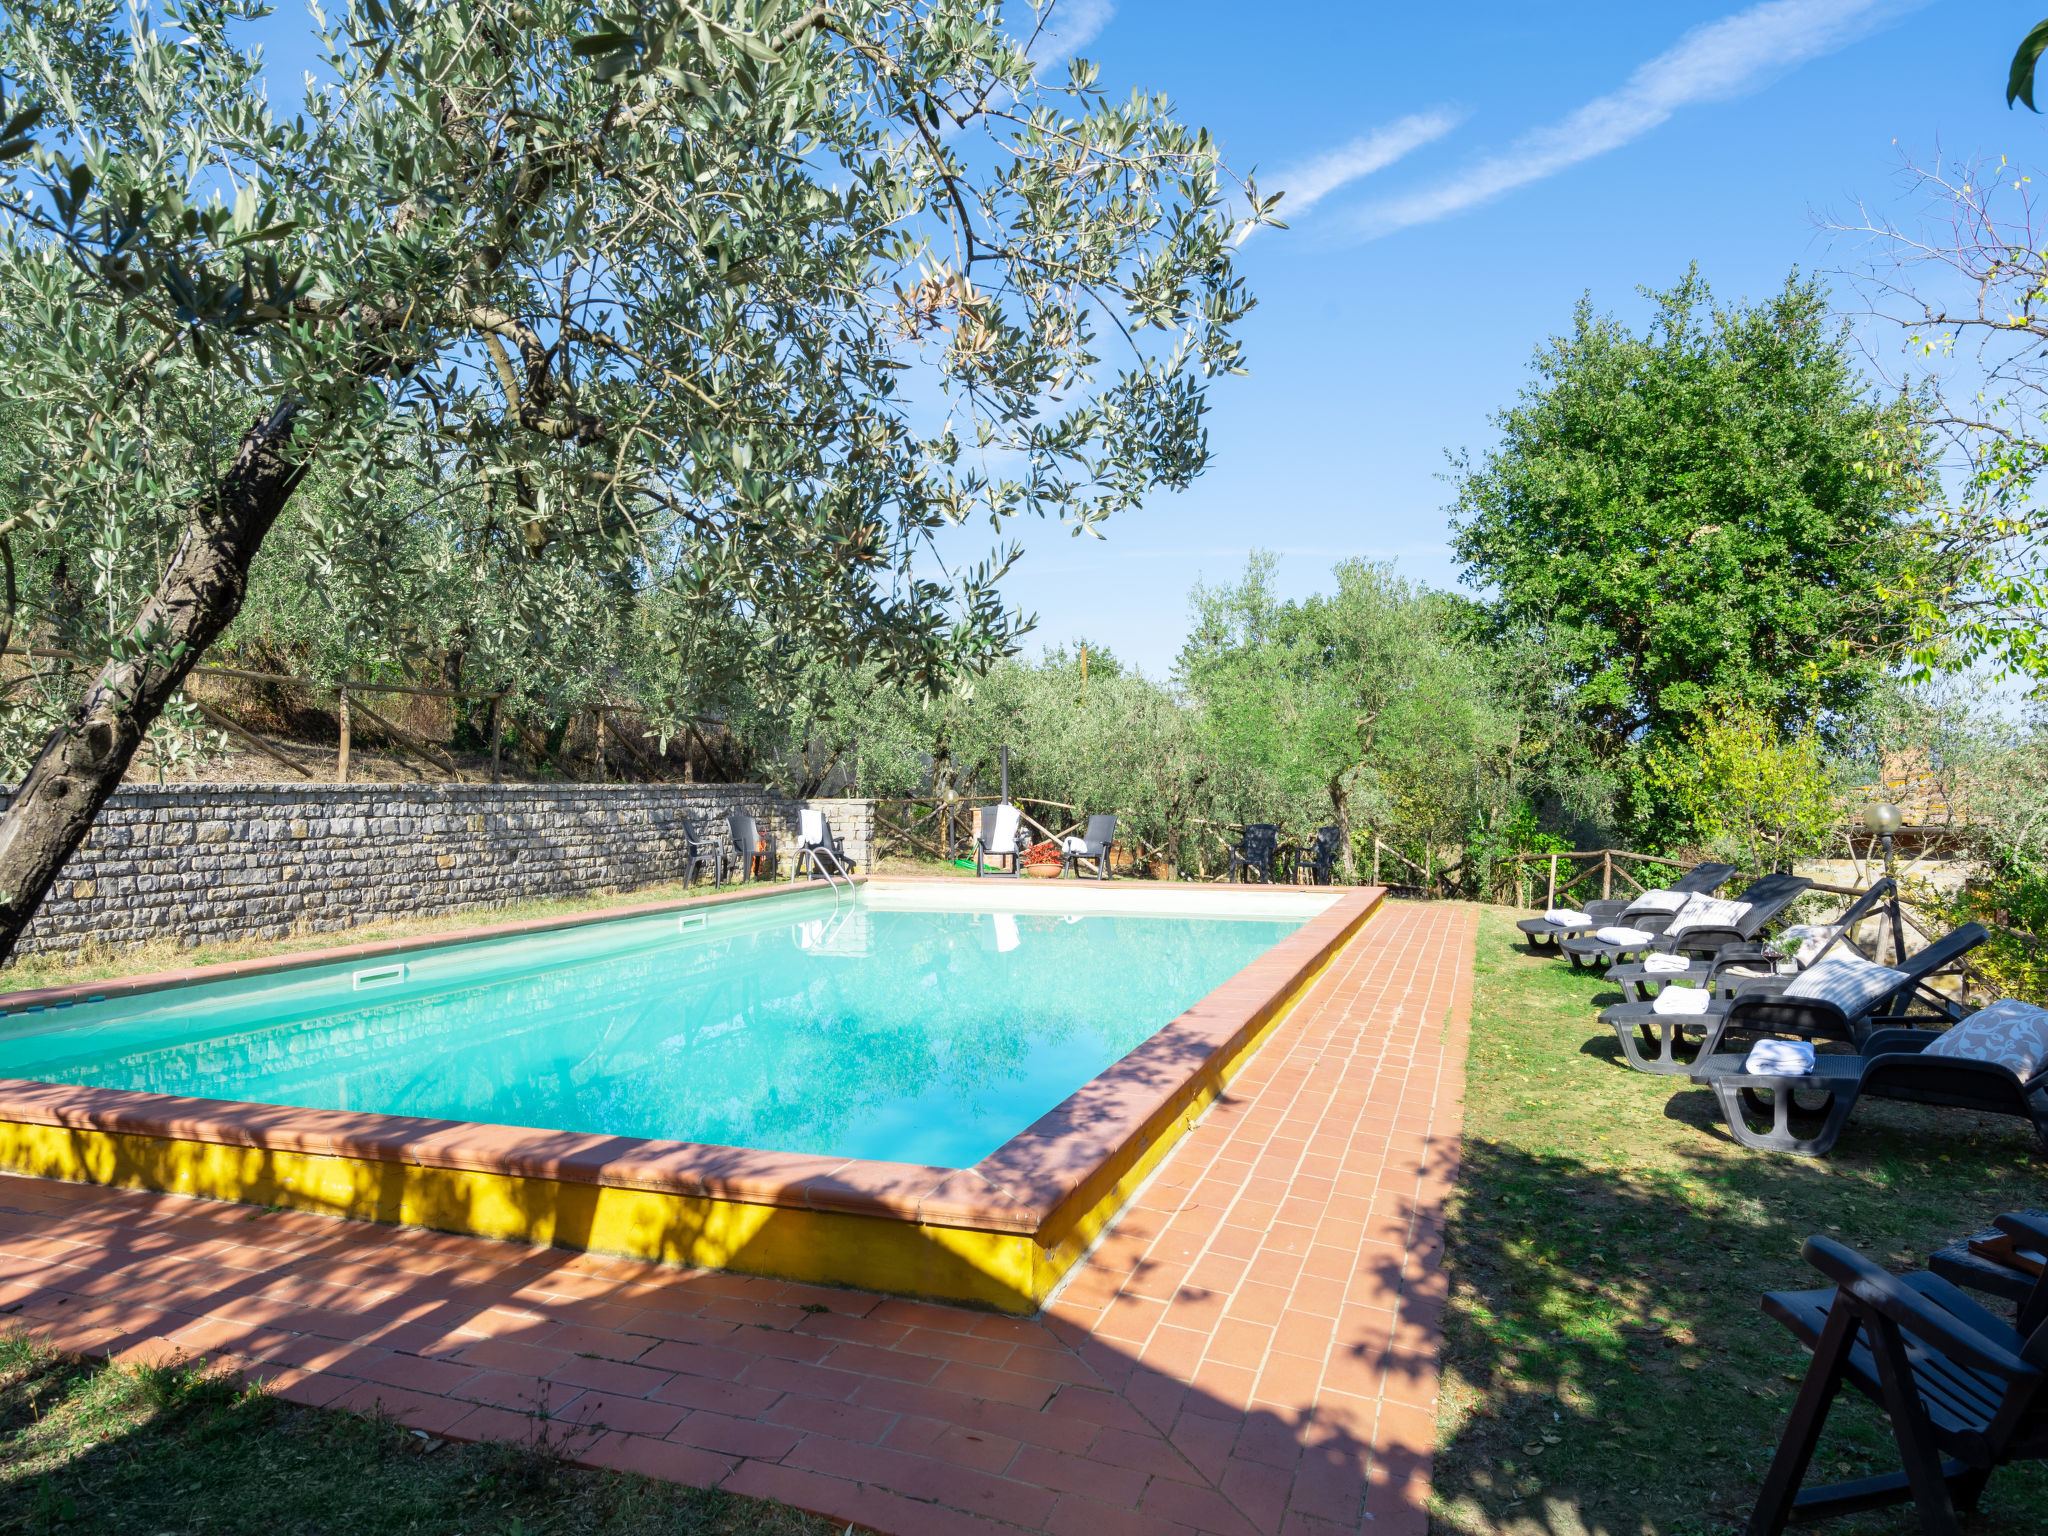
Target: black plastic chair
1953, 1379
699, 852
1319, 859
752, 851
1261, 846
1092, 847
998, 839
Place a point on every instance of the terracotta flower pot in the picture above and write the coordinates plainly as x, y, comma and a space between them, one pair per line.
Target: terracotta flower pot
1043, 871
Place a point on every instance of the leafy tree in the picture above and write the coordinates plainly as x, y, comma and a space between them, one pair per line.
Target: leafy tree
1365, 705
1738, 780
1710, 515
740, 300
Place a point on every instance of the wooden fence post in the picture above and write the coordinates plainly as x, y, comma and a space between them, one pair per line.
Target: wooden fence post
1375, 858
1550, 901
496, 701
341, 765
1606, 874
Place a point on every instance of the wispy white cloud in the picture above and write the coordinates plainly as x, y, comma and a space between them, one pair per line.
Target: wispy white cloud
1071, 26
1714, 62
1313, 180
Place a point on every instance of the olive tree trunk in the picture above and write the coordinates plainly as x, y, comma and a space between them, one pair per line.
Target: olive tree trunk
200, 593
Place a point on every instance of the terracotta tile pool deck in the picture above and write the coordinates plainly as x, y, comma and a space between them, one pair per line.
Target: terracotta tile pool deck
1250, 1351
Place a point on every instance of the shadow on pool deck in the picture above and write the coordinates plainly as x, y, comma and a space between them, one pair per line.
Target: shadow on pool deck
1253, 1349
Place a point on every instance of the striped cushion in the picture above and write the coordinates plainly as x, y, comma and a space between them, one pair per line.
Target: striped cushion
1707, 912
1852, 985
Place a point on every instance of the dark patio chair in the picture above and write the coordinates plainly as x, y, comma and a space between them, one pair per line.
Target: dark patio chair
998, 838
1092, 847
1953, 1379
1732, 964
1774, 1005
1318, 860
818, 846
2008, 1259
1700, 880
700, 852
1261, 846
752, 850
1699, 929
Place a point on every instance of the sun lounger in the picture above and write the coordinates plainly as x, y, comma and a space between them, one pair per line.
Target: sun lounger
1954, 1381
1700, 880
1838, 998
1701, 928
1734, 963
1764, 1108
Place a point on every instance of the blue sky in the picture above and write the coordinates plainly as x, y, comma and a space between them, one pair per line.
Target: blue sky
1570, 147
1467, 172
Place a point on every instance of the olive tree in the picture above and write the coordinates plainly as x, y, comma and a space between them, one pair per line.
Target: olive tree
742, 300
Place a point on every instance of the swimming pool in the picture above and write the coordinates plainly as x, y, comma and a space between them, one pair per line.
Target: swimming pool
919, 1031
967, 1058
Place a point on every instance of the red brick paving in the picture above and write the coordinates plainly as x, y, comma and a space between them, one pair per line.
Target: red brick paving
1251, 1351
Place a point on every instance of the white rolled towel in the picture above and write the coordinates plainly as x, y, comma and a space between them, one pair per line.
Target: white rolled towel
1779, 1058
1666, 965
1676, 998
1568, 917
1627, 938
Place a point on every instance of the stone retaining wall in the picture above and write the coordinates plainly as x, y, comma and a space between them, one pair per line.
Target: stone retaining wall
231, 861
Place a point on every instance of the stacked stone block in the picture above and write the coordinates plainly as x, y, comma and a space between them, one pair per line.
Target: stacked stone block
192, 863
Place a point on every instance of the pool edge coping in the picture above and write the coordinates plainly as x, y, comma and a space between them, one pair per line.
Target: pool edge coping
1041, 1181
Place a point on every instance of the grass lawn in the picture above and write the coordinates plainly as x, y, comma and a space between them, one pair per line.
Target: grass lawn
86, 1447
1606, 1366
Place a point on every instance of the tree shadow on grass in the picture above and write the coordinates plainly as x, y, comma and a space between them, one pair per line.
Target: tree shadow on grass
135, 1450
1607, 1366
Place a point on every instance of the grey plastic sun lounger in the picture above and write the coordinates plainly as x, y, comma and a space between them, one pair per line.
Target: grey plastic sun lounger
1092, 847
1738, 962
1651, 1040
1700, 880
1890, 1066
1965, 1393
1738, 921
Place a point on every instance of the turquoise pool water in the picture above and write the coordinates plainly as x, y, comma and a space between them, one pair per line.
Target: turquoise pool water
888, 1026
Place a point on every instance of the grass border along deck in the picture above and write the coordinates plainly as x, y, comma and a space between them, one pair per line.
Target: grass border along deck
998, 1235
1606, 1366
